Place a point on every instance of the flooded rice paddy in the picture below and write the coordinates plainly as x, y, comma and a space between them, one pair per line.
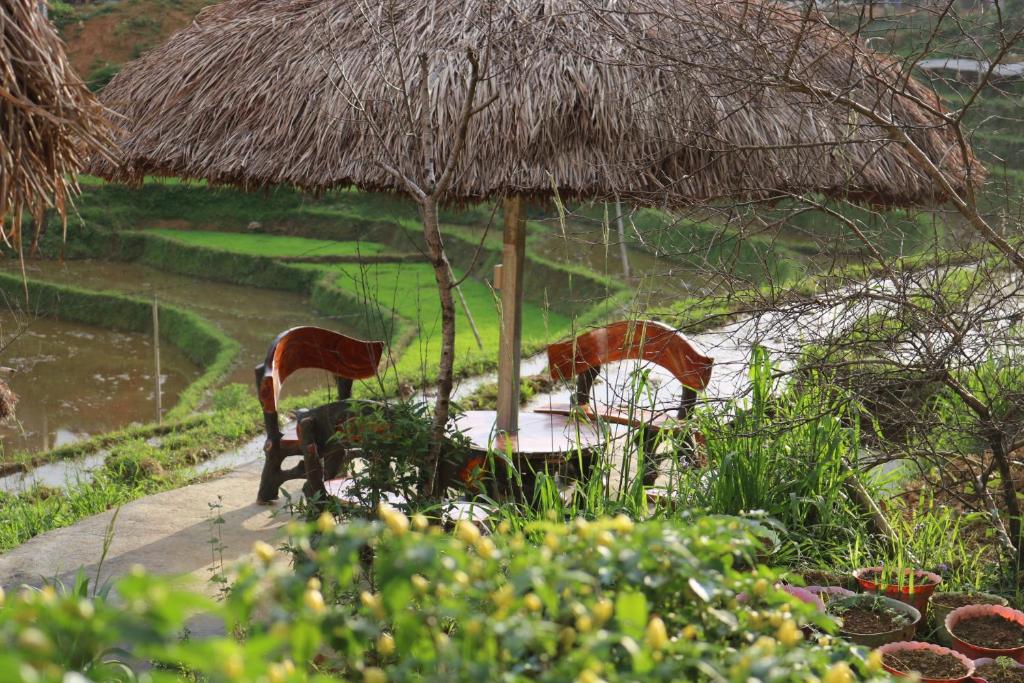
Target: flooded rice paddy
75, 380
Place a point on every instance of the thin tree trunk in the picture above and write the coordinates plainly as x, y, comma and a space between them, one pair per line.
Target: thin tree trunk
446, 367
1009, 491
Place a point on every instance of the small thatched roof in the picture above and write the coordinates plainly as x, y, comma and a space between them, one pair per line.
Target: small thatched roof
49, 121
660, 101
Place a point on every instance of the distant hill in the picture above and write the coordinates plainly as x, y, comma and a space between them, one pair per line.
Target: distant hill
102, 36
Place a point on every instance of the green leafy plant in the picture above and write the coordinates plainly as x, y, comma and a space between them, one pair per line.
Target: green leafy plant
604, 600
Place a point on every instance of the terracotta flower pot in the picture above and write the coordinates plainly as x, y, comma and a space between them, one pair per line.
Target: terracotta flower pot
829, 593
978, 663
925, 584
895, 648
901, 632
978, 651
937, 611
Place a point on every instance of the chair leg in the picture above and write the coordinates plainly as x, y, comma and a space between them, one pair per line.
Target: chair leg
271, 479
651, 460
314, 486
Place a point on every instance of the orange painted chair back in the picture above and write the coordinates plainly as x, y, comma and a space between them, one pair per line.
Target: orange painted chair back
346, 358
645, 340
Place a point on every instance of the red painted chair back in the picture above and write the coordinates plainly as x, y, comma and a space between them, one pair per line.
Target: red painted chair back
631, 340
314, 347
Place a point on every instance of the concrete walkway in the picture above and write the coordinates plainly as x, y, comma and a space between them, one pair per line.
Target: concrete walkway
168, 533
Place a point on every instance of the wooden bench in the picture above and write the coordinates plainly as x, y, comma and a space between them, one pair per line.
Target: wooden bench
581, 359
348, 359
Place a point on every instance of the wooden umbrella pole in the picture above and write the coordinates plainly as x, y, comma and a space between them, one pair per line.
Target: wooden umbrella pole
509, 346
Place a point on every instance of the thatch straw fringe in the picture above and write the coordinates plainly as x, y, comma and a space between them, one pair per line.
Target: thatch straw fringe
50, 121
662, 102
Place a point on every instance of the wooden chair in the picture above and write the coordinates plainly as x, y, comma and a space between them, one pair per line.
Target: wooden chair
644, 340
346, 358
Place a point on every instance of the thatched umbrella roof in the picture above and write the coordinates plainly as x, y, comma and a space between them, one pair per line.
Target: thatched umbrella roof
49, 121
664, 102
661, 102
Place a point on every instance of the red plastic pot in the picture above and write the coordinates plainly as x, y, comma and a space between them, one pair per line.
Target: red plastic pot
977, 651
937, 649
925, 584
987, 660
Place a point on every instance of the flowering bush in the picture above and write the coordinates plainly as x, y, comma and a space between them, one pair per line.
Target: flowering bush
588, 601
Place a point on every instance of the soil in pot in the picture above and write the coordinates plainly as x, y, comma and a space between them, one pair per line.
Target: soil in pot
863, 619
929, 664
817, 577
997, 671
990, 631
953, 600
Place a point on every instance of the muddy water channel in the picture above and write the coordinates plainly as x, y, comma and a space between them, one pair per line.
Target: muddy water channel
74, 380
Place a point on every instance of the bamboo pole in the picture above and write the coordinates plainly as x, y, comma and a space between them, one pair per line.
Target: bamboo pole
509, 346
622, 238
156, 360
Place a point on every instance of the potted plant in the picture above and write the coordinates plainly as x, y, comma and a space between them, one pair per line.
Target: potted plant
912, 586
944, 602
987, 631
934, 663
998, 670
874, 620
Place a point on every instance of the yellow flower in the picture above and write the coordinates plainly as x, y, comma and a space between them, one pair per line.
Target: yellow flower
689, 632
503, 596
420, 583
314, 600
584, 623
874, 660
386, 644
233, 666
788, 634
264, 551
605, 538
504, 527
313, 584
566, 637
276, 673
467, 532
460, 577
603, 611
766, 643
552, 542
657, 634
588, 676
394, 519
374, 674
372, 603
420, 522
622, 524
839, 673
760, 587
533, 602
35, 640
325, 522
485, 548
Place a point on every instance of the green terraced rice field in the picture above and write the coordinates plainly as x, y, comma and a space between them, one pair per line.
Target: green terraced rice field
259, 244
410, 290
